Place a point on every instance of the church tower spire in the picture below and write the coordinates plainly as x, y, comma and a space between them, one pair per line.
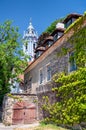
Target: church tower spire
30, 41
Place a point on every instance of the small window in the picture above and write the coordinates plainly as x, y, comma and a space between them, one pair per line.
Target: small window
48, 72
32, 32
41, 76
55, 37
26, 46
34, 46
50, 43
68, 23
72, 62
30, 83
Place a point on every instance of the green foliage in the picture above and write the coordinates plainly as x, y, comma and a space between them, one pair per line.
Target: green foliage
71, 91
14, 97
79, 42
48, 31
11, 64
52, 27
70, 107
77, 23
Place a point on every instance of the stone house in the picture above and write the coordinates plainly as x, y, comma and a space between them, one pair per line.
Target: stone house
25, 107
47, 61
38, 75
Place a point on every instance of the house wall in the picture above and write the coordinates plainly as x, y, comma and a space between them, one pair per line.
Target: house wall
51, 56
58, 64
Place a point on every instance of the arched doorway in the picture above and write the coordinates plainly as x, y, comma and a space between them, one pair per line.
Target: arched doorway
24, 113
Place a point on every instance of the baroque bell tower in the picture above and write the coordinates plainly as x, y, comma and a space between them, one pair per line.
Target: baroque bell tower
30, 41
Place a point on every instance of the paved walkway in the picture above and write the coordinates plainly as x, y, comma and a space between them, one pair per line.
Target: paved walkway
3, 127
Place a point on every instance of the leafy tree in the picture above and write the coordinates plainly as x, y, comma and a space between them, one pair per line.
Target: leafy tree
48, 31
11, 64
52, 27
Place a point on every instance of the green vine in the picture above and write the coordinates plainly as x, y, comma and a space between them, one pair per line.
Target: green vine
76, 23
35, 101
14, 97
70, 109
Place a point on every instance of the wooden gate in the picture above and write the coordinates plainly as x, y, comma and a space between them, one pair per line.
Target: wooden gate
24, 113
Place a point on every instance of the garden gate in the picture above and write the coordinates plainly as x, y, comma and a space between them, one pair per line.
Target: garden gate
24, 113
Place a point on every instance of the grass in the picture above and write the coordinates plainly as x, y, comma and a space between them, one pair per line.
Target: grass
42, 127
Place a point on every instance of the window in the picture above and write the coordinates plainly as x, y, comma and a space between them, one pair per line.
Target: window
68, 23
55, 37
48, 72
25, 88
72, 62
60, 34
26, 46
30, 82
34, 46
41, 76
50, 43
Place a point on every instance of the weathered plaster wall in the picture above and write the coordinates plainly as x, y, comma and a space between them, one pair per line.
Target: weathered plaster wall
57, 63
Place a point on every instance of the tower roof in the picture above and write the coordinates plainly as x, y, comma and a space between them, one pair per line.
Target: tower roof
30, 39
30, 31
30, 27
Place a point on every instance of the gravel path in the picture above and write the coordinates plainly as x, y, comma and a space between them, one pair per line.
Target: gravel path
3, 127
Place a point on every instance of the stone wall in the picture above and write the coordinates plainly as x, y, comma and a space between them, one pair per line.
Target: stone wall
42, 100
57, 63
9, 102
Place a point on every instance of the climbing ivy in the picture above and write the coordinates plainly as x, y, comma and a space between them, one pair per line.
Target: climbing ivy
77, 23
70, 109
14, 97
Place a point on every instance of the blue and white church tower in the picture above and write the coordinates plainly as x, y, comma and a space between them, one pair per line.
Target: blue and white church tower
30, 38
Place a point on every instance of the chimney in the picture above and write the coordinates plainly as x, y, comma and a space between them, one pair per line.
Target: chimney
59, 25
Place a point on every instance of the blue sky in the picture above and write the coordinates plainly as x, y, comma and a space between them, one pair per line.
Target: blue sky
42, 12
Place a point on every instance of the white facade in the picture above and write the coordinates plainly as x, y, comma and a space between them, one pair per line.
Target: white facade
30, 41
15, 89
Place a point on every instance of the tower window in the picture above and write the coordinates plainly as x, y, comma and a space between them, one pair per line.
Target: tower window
32, 32
26, 46
34, 46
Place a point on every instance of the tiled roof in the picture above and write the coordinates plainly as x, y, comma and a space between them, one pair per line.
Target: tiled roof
73, 15
41, 48
58, 30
